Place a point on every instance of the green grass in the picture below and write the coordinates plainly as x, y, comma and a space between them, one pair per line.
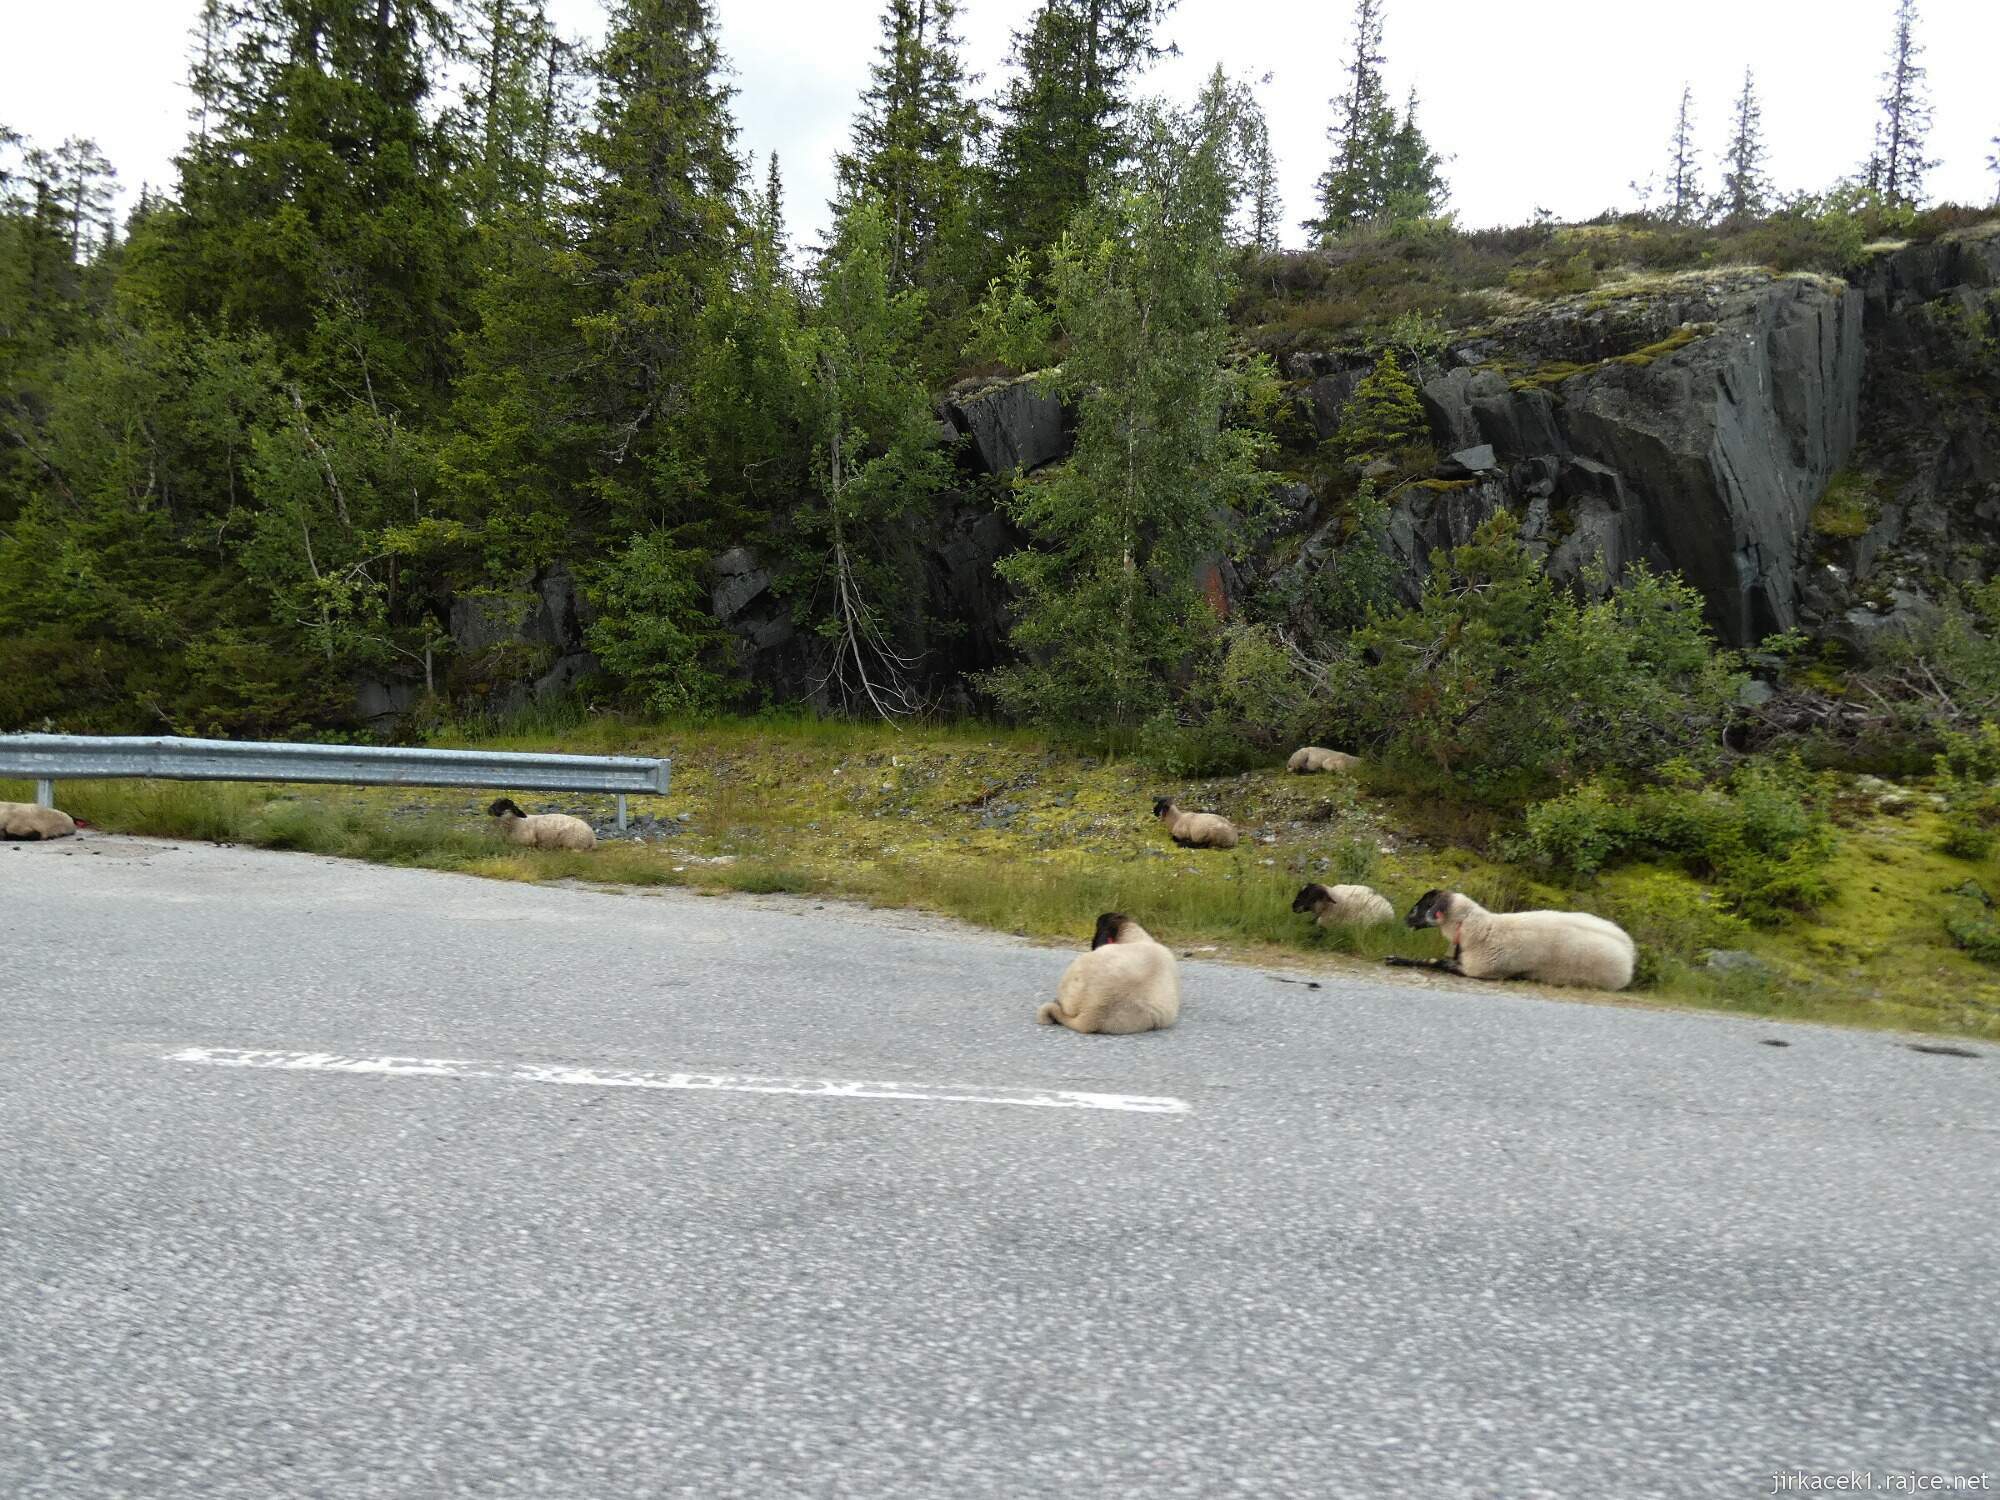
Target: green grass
1007, 830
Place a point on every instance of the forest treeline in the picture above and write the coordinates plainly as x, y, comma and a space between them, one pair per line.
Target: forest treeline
389, 342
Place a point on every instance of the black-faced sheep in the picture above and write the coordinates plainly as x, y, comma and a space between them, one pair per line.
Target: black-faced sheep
1344, 905
1195, 830
1124, 984
26, 822
1551, 947
1310, 759
542, 830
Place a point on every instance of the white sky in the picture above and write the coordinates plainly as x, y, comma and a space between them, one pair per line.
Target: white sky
1539, 103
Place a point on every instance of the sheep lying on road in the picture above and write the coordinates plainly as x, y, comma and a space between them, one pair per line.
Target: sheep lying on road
1553, 947
27, 822
1125, 983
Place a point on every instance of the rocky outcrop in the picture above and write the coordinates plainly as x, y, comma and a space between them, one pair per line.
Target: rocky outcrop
1011, 426
522, 645
1694, 427
953, 626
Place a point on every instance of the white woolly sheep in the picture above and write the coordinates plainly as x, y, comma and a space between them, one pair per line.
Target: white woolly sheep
24, 821
1550, 947
1126, 983
542, 830
1344, 905
1195, 830
1310, 759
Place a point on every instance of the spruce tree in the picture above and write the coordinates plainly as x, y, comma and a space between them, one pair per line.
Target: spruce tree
1253, 169
1993, 166
1746, 189
1413, 181
318, 207
514, 106
85, 186
915, 136
1352, 189
1681, 188
1898, 162
660, 229
1062, 115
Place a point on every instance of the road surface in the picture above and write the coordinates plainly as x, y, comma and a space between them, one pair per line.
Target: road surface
318, 1179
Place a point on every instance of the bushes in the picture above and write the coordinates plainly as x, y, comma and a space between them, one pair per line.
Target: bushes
1499, 683
1968, 774
1763, 838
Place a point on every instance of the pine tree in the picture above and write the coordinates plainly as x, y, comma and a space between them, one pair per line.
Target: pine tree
1681, 188
85, 185
318, 207
1109, 606
1898, 163
1746, 189
1352, 189
914, 136
514, 106
660, 230
1253, 169
1413, 182
1062, 116
1993, 166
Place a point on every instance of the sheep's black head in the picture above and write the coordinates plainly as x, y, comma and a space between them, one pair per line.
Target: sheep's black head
1161, 804
1309, 897
1429, 910
505, 805
1108, 926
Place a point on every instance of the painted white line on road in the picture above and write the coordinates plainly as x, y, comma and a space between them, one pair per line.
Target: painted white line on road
727, 1083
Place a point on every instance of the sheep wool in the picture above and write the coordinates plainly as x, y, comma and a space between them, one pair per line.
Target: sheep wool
1344, 905
542, 830
1550, 947
1126, 983
1195, 830
1309, 760
26, 822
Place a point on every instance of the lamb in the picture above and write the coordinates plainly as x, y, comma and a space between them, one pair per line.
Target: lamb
1344, 905
1124, 984
542, 830
1552, 947
24, 821
1195, 830
1310, 759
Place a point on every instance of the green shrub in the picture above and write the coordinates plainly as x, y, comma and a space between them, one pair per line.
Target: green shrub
1499, 683
1763, 839
1383, 415
1968, 771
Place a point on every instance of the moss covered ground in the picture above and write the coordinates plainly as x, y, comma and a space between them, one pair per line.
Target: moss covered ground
1009, 832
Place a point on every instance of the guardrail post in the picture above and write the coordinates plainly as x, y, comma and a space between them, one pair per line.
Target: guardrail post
45, 793
621, 812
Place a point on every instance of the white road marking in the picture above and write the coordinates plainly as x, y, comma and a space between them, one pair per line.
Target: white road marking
728, 1083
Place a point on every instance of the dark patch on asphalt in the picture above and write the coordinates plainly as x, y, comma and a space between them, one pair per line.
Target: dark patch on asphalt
1940, 1051
1771, 1041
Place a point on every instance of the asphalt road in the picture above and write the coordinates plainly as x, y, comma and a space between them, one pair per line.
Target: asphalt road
1400, 1240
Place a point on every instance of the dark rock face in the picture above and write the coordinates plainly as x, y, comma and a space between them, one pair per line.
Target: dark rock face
1012, 426
1706, 458
523, 645
955, 627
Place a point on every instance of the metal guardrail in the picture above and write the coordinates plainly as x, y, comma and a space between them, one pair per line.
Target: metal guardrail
48, 758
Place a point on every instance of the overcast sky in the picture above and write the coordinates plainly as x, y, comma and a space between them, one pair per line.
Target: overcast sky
1555, 104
